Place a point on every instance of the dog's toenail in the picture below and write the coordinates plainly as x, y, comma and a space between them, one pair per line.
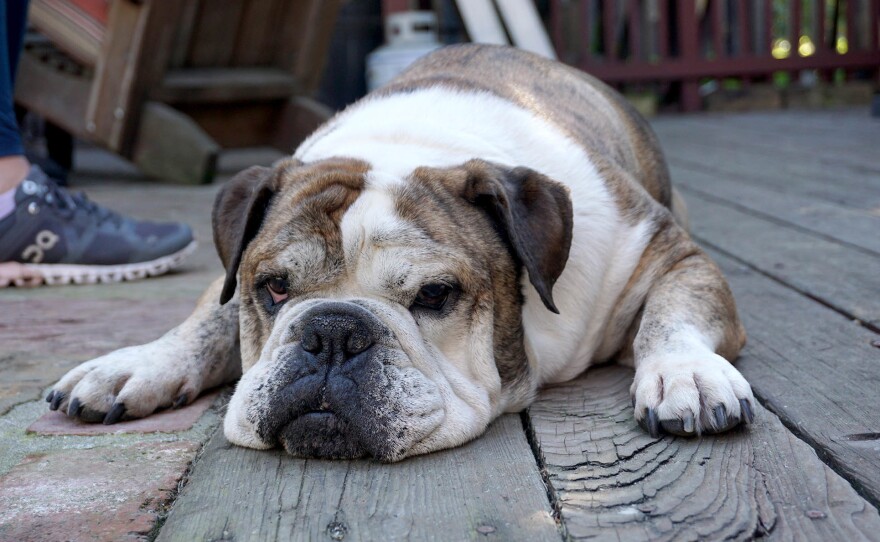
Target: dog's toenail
688, 425
720, 417
180, 401
653, 424
115, 414
74, 408
747, 413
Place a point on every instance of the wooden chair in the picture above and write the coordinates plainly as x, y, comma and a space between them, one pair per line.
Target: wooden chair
167, 83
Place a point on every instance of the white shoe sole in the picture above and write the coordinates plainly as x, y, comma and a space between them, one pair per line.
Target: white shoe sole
29, 274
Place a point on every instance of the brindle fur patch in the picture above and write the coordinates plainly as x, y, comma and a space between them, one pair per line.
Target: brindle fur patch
314, 198
433, 202
617, 140
674, 272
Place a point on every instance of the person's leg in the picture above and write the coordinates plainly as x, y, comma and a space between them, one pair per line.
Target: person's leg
16, 26
13, 165
48, 234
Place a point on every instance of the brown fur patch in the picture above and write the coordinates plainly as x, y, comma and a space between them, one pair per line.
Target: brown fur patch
434, 201
674, 284
309, 202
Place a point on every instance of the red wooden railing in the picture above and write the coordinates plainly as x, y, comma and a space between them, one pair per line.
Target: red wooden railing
685, 41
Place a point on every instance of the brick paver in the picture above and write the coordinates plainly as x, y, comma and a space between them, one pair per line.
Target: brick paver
98, 494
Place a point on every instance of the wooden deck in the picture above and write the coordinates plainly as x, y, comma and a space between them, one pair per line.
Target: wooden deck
789, 204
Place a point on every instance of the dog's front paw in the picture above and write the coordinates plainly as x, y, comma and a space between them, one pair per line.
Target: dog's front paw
690, 395
129, 383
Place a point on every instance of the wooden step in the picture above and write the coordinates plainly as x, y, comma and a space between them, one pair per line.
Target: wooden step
223, 85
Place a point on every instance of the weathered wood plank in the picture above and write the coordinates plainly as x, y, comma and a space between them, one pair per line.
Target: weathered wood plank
849, 131
297, 120
812, 176
612, 481
171, 146
134, 54
219, 85
302, 48
214, 36
237, 124
841, 276
856, 226
487, 489
768, 135
65, 105
253, 43
817, 370
180, 47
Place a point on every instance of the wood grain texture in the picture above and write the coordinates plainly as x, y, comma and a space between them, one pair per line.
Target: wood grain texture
254, 46
823, 216
302, 47
814, 368
219, 85
839, 275
214, 35
489, 489
171, 146
847, 136
65, 105
755, 161
792, 134
613, 482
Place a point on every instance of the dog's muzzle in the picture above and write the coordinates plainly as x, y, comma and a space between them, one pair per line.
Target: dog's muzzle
334, 399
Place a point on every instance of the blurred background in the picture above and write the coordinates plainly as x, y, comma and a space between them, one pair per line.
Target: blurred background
169, 84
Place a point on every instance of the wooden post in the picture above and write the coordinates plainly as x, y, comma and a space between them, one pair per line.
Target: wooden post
609, 31
663, 29
634, 16
688, 40
717, 26
795, 32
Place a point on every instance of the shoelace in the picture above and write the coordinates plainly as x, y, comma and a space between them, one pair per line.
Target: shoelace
60, 198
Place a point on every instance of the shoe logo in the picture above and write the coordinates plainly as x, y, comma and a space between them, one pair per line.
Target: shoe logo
45, 240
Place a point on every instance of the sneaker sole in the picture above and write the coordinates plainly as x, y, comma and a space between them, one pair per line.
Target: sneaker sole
24, 275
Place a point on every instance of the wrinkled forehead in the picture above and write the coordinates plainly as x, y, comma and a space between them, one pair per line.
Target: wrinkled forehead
380, 245
361, 234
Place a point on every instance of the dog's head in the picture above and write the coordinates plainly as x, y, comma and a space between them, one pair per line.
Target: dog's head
382, 316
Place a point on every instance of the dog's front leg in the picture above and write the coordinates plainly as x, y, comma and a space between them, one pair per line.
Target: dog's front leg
688, 331
199, 354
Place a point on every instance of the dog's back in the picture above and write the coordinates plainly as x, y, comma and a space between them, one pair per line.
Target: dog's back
613, 134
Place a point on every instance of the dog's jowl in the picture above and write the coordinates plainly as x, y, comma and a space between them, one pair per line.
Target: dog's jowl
487, 223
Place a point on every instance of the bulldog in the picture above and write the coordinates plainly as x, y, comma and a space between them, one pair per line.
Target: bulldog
488, 223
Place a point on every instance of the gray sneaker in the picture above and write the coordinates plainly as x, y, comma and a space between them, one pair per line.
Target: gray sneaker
58, 237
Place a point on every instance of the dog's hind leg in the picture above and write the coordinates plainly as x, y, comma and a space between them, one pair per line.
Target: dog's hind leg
201, 353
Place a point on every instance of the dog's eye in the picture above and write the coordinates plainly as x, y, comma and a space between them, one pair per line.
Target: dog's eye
432, 296
277, 287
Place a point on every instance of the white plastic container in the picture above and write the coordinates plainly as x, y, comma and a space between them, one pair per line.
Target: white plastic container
408, 36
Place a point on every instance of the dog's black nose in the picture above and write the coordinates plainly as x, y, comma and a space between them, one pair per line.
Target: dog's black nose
334, 337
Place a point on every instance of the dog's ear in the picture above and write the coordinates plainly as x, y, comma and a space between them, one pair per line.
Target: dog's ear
533, 211
237, 216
